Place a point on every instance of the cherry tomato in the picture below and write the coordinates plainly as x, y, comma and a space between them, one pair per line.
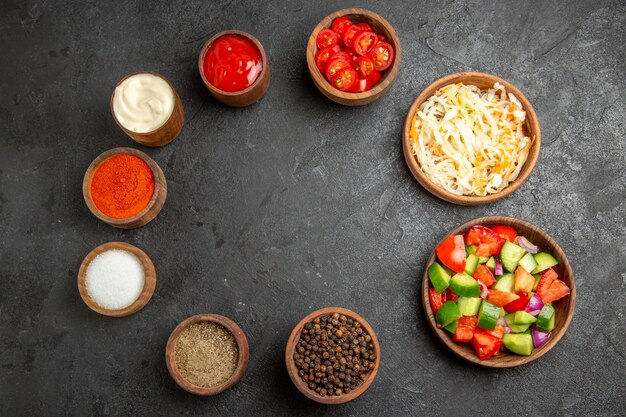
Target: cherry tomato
353, 55
364, 42
322, 57
506, 232
341, 54
452, 253
382, 55
349, 34
365, 84
489, 243
340, 24
334, 66
465, 329
382, 38
344, 79
435, 299
364, 27
485, 343
364, 66
326, 39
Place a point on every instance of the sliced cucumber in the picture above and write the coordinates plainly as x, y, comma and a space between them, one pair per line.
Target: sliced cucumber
464, 286
522, 317
448, 313
515, 328
469, 306
483, 260
470, 264
470, 249
491, 264
522, 344
510, 255
544, 261
505, 283
528, 262
546, 317
488, 315
452, 326
438, 277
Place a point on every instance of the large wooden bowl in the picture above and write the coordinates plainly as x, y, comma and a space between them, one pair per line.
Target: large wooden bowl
245, 97
148, 286
293, 370
242, 363
380, 26
564, 307
482, 81
149, 212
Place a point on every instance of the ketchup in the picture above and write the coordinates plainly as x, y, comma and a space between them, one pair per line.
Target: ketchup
232, 63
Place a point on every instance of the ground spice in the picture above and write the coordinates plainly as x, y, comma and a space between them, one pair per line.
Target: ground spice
122, 186
206, 354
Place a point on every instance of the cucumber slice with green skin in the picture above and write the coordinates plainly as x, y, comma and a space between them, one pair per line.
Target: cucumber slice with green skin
488, 315
438, 277
515, 328
470, 249
471, 263
537, 278
505, 283
464, 286
510, 255
545, 319
469, 306
528, 262
448, 313
491, 264
452, 326
522, 344
484, 260
544, 261
522, 317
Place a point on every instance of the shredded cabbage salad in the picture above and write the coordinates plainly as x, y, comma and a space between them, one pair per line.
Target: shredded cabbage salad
470, 141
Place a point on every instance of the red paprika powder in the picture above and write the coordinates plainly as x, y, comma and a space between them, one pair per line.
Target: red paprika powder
122, 186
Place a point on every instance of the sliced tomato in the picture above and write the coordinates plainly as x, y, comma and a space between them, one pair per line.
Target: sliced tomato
382, 38
465, 329
484, 274
524, 282
322, 57
436, 300
498, 331
364, 42
341, 54
449, 295
550, 288
344, 79
335, 65
452, 253
349, 34
506, 232
340, 24
501, 298
489, 243
546, 279
364, 66
326, 39
365, 84
382, 55
485, 344
364, 27
517, 305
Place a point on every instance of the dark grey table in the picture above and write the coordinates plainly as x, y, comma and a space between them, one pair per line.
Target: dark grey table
296, 203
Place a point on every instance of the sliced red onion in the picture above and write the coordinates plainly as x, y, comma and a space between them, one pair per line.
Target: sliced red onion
534, 313
484, 291
499, 269
540, 337
502, 322
534, 306
526, 245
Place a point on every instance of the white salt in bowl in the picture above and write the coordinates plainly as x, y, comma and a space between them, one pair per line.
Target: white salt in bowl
116, 279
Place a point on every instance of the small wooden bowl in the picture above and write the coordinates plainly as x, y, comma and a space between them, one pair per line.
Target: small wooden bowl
242, 363
564, 307
293, 371
148, 286
164, 134
251, 94
482, 81
149, 212
380, 26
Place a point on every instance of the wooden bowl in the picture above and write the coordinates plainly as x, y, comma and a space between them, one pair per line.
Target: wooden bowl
149, 212
148, 286
380, 26
251, 94
242, 363
164, 134
482, 81
293, 371
564, 307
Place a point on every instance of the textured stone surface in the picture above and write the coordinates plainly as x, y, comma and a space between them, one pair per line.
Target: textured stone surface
297, 203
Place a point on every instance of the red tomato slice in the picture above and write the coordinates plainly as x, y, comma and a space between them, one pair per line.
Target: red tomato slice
340, 24
517, 305
485, 275
364, 66
341, 54
506, 232
349, 34
364, 42
364, 26
501, 298
335, 65
550, 288
382, 38
524, 282
382, 55
322, 57
485, 344
365, 84
452, 253
344, 79
326, 39
498, 331
489, 243
544, 282
448, 295
465, 329
435, 299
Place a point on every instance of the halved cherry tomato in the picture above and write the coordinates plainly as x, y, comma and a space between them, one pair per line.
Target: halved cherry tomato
435, 299
364, 26
335, 65
517, 305
485, 275
489, 243
349, 34
352, 54
485, 344
465, 329
364, 42
550, 288
340, 24
341, 54
524, 282
326, 39
364, 66
322, 57
344, 79
382, 38
506, 232
501, 298
448, 295
452, 253
382, 55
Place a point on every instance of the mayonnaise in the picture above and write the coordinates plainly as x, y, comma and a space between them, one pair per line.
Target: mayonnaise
143, 102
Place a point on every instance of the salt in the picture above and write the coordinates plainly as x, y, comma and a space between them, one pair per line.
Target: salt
114, 279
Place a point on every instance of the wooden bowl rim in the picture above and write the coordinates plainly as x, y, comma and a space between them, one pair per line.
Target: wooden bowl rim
293, 371
255, 41
390, 73
532, 126
149, 284
496, 361
242, 360
113, 96
158, 188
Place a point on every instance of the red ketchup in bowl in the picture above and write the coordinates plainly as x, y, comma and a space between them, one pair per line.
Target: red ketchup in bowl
232, 63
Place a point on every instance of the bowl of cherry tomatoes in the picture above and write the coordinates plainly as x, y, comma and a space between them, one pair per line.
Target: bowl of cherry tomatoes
353, 56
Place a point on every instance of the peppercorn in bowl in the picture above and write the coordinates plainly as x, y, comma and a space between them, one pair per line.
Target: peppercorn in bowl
332, 355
